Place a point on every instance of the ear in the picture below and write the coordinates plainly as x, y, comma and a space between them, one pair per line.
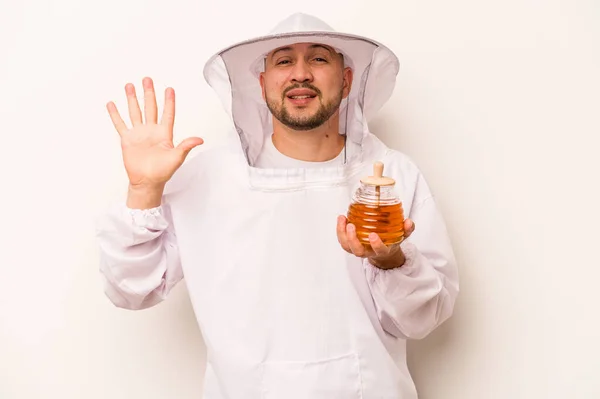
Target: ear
262, 85
348, 75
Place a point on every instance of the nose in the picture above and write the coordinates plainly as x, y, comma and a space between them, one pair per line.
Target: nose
301, 72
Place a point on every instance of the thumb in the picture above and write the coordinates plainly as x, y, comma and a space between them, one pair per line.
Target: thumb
188, 144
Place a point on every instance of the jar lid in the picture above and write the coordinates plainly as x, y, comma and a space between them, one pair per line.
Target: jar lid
378, 179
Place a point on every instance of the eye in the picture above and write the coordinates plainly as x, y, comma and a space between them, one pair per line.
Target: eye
320, 59
282, 62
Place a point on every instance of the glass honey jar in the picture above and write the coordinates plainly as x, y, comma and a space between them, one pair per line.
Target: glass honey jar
376, 207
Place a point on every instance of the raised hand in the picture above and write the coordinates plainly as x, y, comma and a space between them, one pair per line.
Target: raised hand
149, 155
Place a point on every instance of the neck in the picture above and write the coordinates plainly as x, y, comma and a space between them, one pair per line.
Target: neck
317, 145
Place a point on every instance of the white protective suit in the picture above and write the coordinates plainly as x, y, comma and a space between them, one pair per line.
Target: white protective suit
284, 311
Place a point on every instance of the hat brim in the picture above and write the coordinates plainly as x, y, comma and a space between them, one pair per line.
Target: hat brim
251, 52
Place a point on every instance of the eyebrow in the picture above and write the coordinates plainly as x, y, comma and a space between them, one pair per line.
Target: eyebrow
313, 46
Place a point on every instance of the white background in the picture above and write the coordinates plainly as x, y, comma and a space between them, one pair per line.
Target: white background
497, 101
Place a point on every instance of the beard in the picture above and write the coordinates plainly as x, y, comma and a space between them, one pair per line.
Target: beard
305, 122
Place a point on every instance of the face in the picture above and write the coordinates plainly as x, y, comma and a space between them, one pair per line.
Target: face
304, 84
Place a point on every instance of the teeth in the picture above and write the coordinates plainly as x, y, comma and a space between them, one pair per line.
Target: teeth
300, 97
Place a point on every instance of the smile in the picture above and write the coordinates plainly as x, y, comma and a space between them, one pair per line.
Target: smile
300, 97
300, 101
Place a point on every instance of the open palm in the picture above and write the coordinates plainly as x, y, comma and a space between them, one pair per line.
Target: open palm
149, 155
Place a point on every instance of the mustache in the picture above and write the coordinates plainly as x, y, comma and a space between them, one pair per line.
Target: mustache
302, 86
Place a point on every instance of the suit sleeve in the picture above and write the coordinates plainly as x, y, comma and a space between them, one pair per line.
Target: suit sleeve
139, 259
414, 299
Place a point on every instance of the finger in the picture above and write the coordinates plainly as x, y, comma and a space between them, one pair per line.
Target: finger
378, 246
150, 108
355, 245
341, 233
116, 119
168, 116
135, 115
409, 227
188, 144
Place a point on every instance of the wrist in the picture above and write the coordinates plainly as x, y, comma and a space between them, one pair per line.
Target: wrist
393, 262
144, 197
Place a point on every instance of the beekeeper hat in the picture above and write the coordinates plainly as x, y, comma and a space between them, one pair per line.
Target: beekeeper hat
234, 74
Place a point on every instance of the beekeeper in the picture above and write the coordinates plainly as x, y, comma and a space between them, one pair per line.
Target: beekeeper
289, 304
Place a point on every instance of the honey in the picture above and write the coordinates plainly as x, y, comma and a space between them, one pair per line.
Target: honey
376, 208
385, 220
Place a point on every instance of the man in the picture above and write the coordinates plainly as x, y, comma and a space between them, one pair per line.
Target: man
290, 304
